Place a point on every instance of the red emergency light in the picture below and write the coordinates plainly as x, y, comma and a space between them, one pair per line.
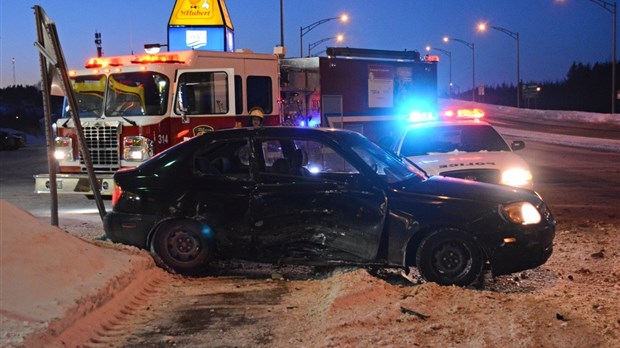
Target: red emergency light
464, 113
95, 63
150, 58
98, 62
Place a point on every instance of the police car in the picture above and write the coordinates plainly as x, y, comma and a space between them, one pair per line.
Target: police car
461, 145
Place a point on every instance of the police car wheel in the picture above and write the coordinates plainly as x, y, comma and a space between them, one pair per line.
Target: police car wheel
180, 247
449, 257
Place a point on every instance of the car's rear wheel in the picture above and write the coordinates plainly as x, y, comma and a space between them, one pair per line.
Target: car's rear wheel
449, 257
181, 247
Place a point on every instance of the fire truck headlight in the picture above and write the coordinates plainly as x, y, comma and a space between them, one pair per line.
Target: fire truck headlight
137, 148
517, 177
63, 149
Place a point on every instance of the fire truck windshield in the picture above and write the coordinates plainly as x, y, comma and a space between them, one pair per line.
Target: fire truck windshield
89, 92
127, 94
136, 94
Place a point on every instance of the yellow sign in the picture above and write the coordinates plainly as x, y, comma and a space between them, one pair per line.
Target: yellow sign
200, 13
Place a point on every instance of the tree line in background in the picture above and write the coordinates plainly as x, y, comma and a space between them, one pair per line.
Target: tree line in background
21, 108
586, 88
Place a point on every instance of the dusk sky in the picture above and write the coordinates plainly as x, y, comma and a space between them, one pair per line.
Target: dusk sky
553, 34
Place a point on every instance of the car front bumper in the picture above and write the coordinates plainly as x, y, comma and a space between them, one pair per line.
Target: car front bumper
521, 250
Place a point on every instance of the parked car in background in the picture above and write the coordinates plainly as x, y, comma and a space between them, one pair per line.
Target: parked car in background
460, 144
321, 197
11, 140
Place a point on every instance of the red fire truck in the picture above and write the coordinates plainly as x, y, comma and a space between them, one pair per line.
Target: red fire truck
132, 107
370, 91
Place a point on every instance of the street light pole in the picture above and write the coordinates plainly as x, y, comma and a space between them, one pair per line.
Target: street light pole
473, 63
611, 8
449, 54
14, 81
281, 23
338, 38
304, 30
514, 35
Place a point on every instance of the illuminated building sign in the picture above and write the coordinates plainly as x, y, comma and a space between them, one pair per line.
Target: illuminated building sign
200, 25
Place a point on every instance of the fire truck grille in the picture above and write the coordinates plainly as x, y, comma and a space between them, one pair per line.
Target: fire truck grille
484, 175
103, 147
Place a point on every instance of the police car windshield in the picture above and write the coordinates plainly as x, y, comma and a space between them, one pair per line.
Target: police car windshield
420, 141
389, 167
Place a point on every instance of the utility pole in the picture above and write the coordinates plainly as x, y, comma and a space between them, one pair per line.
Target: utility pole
14, 81
98, 43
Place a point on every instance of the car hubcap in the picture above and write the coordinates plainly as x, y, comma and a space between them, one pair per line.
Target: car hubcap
183, 246
451, 259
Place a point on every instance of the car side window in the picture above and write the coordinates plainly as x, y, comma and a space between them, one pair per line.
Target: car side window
320, 158
227, 159
299, 157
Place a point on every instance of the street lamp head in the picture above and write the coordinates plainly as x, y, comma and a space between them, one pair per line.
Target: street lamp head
344, 18
339, 38
428, 48
153, 48
446, 39
482, 27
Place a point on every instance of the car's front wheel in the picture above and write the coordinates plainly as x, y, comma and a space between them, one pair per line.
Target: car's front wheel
449, 257
181, 246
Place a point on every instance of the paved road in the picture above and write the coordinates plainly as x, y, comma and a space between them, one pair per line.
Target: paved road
17, 186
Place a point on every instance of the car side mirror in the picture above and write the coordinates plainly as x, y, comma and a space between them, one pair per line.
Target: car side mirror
517, 145
182, 102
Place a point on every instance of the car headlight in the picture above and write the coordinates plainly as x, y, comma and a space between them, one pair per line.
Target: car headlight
523, 213
63, 149
517, 177
137, 148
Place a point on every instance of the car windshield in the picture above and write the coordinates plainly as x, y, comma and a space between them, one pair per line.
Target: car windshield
389, 167
421, 141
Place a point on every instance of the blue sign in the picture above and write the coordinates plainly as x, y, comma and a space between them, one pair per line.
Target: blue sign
200, 38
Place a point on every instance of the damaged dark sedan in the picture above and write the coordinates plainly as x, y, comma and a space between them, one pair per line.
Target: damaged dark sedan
321, 197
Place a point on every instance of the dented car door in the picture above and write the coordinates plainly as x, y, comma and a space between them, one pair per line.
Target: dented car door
323, 211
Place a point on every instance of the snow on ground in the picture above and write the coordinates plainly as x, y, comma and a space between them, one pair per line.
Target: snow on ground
519, 113
561, 139
506, 112
49, 278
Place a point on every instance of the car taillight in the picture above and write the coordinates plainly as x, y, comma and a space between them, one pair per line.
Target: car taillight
116, 194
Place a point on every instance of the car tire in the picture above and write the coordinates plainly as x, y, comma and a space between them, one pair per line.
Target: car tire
449, 257
180, 246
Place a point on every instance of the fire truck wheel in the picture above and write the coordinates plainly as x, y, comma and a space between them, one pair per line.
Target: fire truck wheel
449, 257
180, 246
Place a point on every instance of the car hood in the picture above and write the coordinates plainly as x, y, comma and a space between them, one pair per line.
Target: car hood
437, 163
451, 188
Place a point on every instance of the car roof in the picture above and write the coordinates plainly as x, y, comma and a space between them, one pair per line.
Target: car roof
281, 131
457, 122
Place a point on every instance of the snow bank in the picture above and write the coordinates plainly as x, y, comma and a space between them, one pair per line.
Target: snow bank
549, 115
49, 278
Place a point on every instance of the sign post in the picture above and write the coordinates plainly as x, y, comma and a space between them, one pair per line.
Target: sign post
53, 63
